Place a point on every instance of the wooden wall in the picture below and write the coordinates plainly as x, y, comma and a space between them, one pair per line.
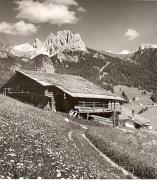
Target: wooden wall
64, 102
26, 90
20, 83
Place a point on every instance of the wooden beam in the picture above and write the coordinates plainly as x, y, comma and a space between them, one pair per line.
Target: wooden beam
114, 105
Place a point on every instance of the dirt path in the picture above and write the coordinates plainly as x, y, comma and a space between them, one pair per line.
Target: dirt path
96, 161
107, 159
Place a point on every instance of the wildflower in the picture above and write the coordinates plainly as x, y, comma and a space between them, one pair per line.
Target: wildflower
10, 149
58, 173
39, 164
12, 154
21, 178
20, 165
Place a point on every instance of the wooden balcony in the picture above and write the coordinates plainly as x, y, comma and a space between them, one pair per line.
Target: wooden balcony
93, 110
96, 107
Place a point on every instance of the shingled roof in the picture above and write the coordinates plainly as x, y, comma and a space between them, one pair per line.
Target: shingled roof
75, 86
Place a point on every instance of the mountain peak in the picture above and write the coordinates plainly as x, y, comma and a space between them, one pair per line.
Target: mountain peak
64, 40
23, 47
23, 50
147, 46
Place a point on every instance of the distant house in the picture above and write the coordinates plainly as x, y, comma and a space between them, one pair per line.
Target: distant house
61, 92
130, 119
137, 123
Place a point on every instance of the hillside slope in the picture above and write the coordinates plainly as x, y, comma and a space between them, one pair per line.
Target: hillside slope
147, 59
8, 65
40, 63
104, 70
36, 143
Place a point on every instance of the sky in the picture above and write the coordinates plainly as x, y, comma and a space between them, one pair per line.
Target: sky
110, 25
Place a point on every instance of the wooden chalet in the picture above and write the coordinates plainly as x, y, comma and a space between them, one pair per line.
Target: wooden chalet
61, 92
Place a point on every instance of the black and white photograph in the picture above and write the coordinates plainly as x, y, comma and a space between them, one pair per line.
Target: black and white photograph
78, 89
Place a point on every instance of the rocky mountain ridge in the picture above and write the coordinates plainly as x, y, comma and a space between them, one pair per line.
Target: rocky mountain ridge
63, 40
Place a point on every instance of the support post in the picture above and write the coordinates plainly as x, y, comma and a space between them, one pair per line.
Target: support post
53, 104
87, 116
5, 91
115, 118
79, 115
120, 107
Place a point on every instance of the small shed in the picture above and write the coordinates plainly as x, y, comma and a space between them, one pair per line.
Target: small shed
61, 92
137, 123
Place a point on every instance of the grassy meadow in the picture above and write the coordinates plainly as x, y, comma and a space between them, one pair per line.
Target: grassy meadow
134, 150
34, 143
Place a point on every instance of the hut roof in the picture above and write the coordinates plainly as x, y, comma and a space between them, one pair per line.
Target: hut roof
75, 86
141, 120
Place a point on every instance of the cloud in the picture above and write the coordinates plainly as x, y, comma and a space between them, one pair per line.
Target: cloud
125, 52
19, 28
81, 9
63, 2
132, 34
52, 11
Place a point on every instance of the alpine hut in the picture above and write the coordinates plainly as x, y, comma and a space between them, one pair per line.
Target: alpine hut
61, 92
